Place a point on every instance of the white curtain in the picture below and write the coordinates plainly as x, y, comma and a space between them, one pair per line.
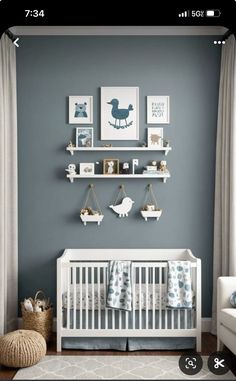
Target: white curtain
8, 187
224, 257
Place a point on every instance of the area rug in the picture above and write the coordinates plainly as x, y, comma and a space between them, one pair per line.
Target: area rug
113, 367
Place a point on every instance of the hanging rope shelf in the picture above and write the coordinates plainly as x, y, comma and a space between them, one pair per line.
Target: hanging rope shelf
150, 208
87, 214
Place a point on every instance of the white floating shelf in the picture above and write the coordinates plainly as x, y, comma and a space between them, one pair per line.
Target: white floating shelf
164, 177
108, 149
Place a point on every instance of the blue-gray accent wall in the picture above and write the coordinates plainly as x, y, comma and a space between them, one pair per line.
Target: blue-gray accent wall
49, 69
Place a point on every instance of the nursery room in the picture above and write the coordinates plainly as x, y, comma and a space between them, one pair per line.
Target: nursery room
118, 202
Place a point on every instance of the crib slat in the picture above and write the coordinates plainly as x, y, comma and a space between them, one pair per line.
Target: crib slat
166, 318
119, 319
113, 319
178, 319
160, 297
146, 279
99, 298
185, 319
153, 298
172, 319
68, 297
105, 288
74, 295
134, 282
126, 319
140, 294
80, 296
92, 282
166, 311
86, 296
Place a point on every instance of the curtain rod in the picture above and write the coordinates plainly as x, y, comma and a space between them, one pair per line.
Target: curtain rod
13, 37
10, 35
227, 34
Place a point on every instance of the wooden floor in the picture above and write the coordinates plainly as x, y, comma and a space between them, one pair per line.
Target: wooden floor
208, 347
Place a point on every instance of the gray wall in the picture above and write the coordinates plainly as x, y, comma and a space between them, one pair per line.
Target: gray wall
51, 68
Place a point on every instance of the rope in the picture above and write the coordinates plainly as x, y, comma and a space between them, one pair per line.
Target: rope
121, 190
91, 189
87, 198
150, 195
96, 201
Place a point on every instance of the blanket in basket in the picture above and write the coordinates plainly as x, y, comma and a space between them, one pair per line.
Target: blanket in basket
119, 293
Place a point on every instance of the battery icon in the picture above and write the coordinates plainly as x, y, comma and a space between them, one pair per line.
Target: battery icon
213, 13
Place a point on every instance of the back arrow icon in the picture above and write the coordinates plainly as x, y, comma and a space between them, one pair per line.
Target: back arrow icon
15, 42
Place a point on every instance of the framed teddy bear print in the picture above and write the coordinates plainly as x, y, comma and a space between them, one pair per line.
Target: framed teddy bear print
80, 109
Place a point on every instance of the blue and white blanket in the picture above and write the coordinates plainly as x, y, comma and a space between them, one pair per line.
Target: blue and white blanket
179, 285
119, 292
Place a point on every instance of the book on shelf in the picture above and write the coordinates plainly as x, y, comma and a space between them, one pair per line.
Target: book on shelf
145, 172
151, 167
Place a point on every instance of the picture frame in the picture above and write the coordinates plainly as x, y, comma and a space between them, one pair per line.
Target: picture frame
155, 137
80, 109
84, 137
111, 166
119, 113
158, 109
86, 169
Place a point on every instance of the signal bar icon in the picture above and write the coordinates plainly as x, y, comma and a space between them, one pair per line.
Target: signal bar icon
184, 14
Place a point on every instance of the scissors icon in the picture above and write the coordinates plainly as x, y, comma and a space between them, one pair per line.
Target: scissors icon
218, 363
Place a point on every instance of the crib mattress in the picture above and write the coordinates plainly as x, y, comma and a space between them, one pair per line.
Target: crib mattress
159, 296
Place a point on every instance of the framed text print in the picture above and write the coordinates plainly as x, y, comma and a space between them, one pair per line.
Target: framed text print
80, 109
158, 109
119, 113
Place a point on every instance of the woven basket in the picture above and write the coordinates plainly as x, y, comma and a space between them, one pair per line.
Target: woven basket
22, 348
38, 321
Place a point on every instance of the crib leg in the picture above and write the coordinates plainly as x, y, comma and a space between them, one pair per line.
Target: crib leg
58, 343
199, 342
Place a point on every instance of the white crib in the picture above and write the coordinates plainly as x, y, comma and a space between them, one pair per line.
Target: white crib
81, 287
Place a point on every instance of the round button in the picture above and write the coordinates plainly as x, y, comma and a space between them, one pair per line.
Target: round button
219, 363
190, 363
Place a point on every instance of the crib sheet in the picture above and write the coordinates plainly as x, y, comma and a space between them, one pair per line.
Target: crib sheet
139, 297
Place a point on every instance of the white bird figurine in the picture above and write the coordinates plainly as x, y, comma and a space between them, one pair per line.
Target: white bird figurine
124, 208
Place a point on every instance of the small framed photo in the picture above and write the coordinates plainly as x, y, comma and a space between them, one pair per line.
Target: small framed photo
158, 109
86, 169
155, 137
111, 166
80, 109
84, 137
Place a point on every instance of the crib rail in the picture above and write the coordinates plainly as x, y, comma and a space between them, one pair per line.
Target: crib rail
77, 278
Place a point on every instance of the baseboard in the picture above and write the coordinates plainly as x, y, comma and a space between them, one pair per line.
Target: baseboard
12, 325
206, 324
